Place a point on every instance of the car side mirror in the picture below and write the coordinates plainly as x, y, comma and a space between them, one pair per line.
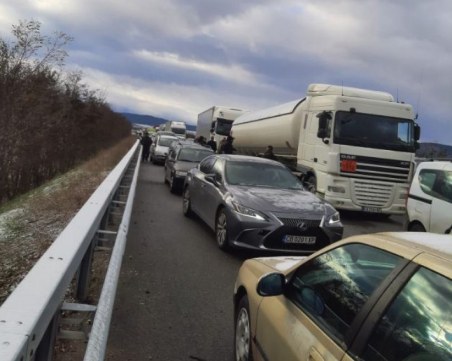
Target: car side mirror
213, 178
272, 284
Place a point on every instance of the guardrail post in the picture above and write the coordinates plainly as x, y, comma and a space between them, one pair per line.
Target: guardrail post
45, 350
83, 276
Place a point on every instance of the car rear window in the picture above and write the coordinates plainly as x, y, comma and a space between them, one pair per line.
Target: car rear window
193, 155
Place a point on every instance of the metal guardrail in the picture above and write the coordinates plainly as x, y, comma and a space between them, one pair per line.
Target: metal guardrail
30, 316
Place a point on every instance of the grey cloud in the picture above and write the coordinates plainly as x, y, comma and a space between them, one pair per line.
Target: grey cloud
279, 47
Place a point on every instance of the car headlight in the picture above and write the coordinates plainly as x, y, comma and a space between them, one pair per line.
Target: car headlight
247, 211
332, 216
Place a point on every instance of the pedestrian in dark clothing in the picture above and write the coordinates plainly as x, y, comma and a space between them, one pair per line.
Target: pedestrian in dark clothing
227, 147
146, 143
212, 144
269, 153
201, 140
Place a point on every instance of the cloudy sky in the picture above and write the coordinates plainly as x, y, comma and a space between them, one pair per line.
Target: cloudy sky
176, 58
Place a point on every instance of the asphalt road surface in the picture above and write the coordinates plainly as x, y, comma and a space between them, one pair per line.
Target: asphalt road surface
174, 298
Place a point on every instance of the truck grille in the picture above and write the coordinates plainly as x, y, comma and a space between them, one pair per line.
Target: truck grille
394, 171
371, 194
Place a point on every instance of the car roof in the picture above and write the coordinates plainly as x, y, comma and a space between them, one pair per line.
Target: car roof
248, 158
433, 243
191, 145
168, 136
436, 164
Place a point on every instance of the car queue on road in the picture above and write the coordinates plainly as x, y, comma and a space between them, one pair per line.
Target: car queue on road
369, 298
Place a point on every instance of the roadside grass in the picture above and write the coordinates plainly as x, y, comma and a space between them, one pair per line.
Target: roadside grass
31, 222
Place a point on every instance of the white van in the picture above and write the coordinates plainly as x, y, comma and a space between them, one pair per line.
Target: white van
429, 203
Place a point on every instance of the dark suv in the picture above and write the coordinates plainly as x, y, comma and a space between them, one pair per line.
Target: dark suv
182, 156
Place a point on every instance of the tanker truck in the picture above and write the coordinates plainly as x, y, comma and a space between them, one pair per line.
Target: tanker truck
216, 121
353, 147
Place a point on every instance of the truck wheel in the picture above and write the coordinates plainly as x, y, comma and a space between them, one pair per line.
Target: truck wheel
310, 183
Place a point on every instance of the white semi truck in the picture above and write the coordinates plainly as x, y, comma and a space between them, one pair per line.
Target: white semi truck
178, 128
216, 121
354, 147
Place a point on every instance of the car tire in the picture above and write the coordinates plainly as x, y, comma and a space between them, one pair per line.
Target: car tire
416, 227
311, 183
186, 203
172, 184
242, 329
221, 230
165, 179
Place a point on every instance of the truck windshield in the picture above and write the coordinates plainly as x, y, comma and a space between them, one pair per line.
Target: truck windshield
178, 130
223, 126
374, 131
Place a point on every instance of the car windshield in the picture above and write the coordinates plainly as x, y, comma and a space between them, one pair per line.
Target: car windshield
193, 155
258, 174
166, 141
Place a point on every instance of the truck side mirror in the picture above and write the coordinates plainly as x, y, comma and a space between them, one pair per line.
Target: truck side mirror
417, 132
324, 117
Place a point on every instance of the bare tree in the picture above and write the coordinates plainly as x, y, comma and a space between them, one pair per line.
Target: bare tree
49, 121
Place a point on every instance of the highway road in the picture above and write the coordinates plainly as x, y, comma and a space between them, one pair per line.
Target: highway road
174, 299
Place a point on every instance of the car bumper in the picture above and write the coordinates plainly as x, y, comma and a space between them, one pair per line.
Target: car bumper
178, 181
159, 158
270, 236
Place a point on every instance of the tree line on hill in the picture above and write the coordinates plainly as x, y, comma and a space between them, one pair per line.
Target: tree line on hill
50, 121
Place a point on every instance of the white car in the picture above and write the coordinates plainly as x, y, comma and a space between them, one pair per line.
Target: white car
159, 148
429, 204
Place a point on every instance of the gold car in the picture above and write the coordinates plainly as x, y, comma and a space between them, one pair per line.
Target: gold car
385, 296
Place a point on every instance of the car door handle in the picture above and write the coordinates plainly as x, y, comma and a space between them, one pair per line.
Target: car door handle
315, 355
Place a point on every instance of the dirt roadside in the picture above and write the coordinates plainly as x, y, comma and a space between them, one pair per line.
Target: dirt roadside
29, 225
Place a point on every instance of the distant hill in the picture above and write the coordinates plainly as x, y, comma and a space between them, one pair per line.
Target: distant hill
150, 120
434, 150
426, 150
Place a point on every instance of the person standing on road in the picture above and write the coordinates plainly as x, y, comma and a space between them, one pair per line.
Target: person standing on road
146, 143
227, 147
269, 153
212, 144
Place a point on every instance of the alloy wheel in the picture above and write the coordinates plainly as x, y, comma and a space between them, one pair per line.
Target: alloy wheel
242, 336
221, 230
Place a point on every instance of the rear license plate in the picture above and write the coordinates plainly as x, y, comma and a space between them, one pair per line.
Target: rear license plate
299, 239
371, 209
